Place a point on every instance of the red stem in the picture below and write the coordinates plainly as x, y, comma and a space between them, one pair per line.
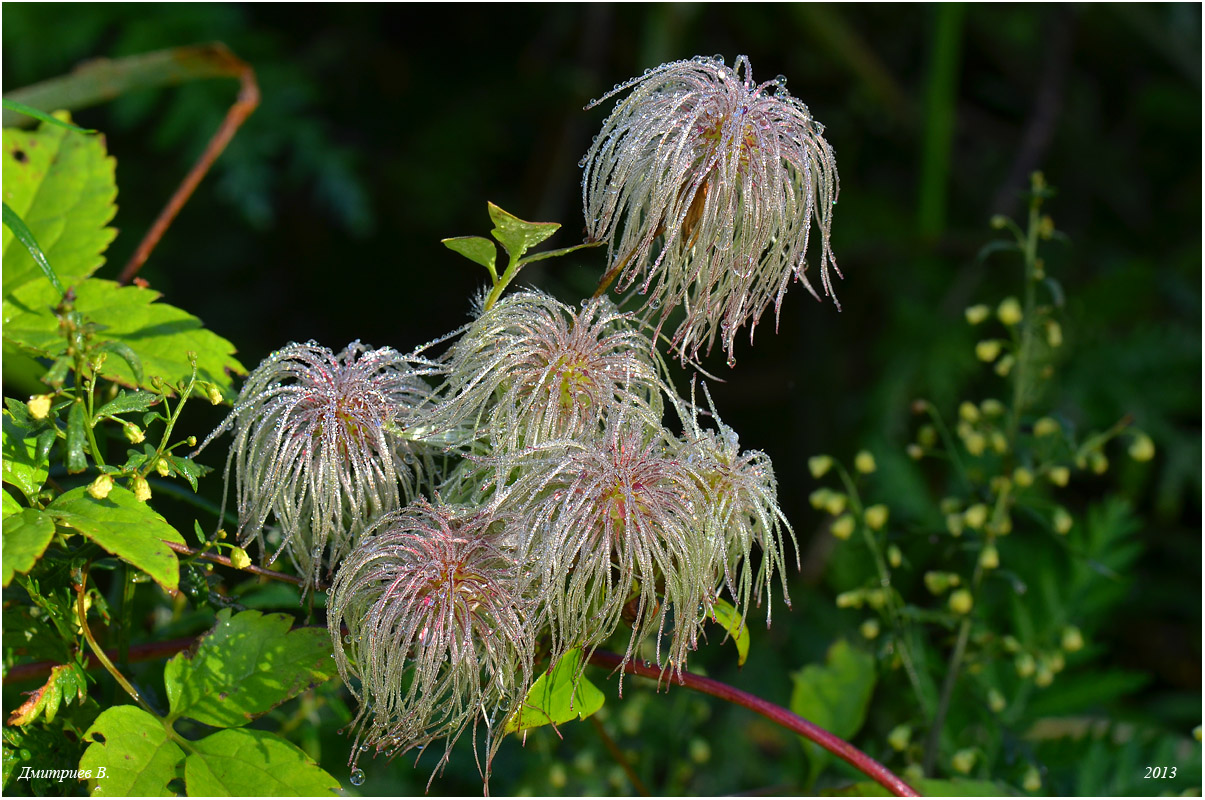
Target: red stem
777, 714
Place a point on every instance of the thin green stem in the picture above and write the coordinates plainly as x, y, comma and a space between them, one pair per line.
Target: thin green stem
1021, 374
80, 593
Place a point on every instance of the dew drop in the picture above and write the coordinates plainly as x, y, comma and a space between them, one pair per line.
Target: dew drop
364, 748
346, 640
316, 552
357, 777
718, 57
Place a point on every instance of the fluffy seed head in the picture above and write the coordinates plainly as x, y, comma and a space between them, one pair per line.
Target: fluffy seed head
311, 448
437, 633
727, 175
532, 369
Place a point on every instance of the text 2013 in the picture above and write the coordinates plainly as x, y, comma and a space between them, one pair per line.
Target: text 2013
1160, 772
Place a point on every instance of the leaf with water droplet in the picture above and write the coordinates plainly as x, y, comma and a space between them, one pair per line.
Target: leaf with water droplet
557, 697
518, 236
477, 249
726, 615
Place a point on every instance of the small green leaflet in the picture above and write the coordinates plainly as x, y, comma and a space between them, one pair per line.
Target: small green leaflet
125, 527
22, 468
518, 236
38, 114
726, 615
477, 249
133, 748
247, 665
554, 698
246, 763
26, 536
20, 230
66, 684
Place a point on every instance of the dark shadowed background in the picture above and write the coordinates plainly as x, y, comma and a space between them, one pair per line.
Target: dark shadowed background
386, 128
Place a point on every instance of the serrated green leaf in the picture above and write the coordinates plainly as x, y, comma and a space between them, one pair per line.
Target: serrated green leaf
125, 527
20, 414
518, 236
725, 614
11, 506
77, 438
26, 536
834, 695
126, 354
126, 402
25, 236
161, 334
554, 698
65, 685
21, 465
61, 183
132, 747
477, 249
190, 469
246, 666
242, 763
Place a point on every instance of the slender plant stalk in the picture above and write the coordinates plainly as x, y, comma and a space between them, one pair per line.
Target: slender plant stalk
619, 757
101, 656
775, 713
226, 562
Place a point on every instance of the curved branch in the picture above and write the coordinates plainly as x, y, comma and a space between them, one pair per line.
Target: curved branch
775, 713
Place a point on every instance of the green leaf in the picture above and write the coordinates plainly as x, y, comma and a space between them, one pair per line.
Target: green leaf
161, 334
557, 696
246, 666
30, 111
124, 403
125, 527
516, 235
77, 438
190, 469
21, 465
725, 614
26, 536
834, 696
959, 787
477, 249
65, 684
126, 354
21, 231
61, 183
133, 749
11, 506
246, 763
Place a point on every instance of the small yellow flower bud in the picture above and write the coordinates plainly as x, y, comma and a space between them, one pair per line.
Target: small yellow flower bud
915, 451
1073, 640
1005, 365
864, 462
1062, 520
1024, 664
1011, 645
1039, 269
876, 598
954, 524
819, 498
1196, 733
968, 411
894, 556
214, 394
1046, 426
163, 468
133, 433
937, 582
39, 405
876, 517
914, 774
869, 629
818, 465
1032, 782
900, 737
963, 761
141, 489
1054, 333
989, 557
977, 313
1000, 484
1059, 476
835, 503
1022, 477
949, 505
239, 558
996, 701
987, 350
843, 526
961, 602
1098, 462
975, 443
101, 487
1046, 227
992, 407
999, 442
191, 441
851, 599
1009, 311
221, 534
975, 516
1057, 661
1044, 676
927, 435
1142, 448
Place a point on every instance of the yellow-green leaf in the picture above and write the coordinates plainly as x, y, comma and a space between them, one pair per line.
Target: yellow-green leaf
726, 615
557, 696
132, 748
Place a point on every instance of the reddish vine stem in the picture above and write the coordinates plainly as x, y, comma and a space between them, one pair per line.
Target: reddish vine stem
226, 562
248, 99
777, 714
139, 652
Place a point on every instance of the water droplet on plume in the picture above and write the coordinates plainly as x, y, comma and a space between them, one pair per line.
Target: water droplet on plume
357, 777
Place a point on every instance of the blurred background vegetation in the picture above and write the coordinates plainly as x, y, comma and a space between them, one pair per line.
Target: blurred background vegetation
386, 128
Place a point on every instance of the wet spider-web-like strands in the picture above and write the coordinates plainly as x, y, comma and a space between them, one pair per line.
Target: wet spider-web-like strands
728, 175
532, 369
608, 525
311, 447
438, 636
